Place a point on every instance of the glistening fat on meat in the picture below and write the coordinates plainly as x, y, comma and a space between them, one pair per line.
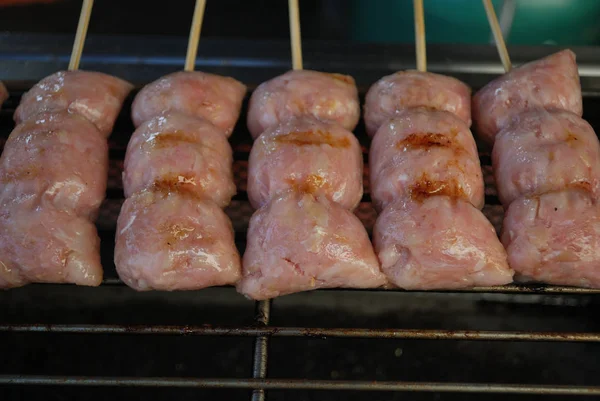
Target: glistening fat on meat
93, 95
173, 241
439, 242
425, 151
301, 93
543, 151
407, 89
299, 242
198, 94
549, 83
308, 155
180, 153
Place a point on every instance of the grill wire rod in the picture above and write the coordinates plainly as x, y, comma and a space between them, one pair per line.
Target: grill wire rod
276, 331
297, 384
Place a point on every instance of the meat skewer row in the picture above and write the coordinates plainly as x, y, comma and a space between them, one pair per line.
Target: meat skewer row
427, 182
305, 176
546, 165
54, 172
172, 233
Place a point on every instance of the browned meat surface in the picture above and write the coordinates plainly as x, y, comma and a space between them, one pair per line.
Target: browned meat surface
555, 238
439, 242
298, 243
96, 96
406, 89
173, 241
542, 151
549, 83
425, 152
59, 158
300, 93
306, 155
211, 97
181, 153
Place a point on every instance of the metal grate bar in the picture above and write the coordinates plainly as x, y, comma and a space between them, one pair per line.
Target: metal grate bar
263, 310
503, 289
261, 345
298, 384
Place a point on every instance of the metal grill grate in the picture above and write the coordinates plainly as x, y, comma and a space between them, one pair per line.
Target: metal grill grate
36, 64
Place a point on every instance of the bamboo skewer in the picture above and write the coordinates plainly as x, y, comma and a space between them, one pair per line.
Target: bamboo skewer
295, 38
497, 32
420, 35
194, 39
82, 27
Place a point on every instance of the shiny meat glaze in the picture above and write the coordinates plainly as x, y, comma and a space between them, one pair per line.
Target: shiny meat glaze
170, 241
61, 158
96, 96
542, 151
425, 152
44, 245
199, 94
298, 93
181, 153
439, 243
555, 238
306, 155
550, 83
406, 89
298, 242
3, 93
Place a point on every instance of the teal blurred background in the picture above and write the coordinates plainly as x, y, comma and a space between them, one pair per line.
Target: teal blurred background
534, 22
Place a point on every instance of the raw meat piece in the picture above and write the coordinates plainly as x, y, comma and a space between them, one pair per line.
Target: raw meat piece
298, 243
425, 152
41, 244
61, 158
439, 243
554, 238
180, 152
548, 83
542, 151
406, 89
96, 96
308, 155
173, 241
299, 93
199, 94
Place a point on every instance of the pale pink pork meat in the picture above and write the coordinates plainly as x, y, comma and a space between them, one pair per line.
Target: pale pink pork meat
61, 158
172, 241
406, 89
332, 97
439, 242
548, 83
3, 93
542, 151
555, 238
41, 244
199, 94
308, 155
427, 152
181, 153
298, 243
96, 96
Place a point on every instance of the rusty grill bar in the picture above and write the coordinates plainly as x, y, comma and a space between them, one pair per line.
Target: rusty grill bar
253, 63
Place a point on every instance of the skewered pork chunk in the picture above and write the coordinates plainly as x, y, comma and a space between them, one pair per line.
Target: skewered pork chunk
300, 93
307, 155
